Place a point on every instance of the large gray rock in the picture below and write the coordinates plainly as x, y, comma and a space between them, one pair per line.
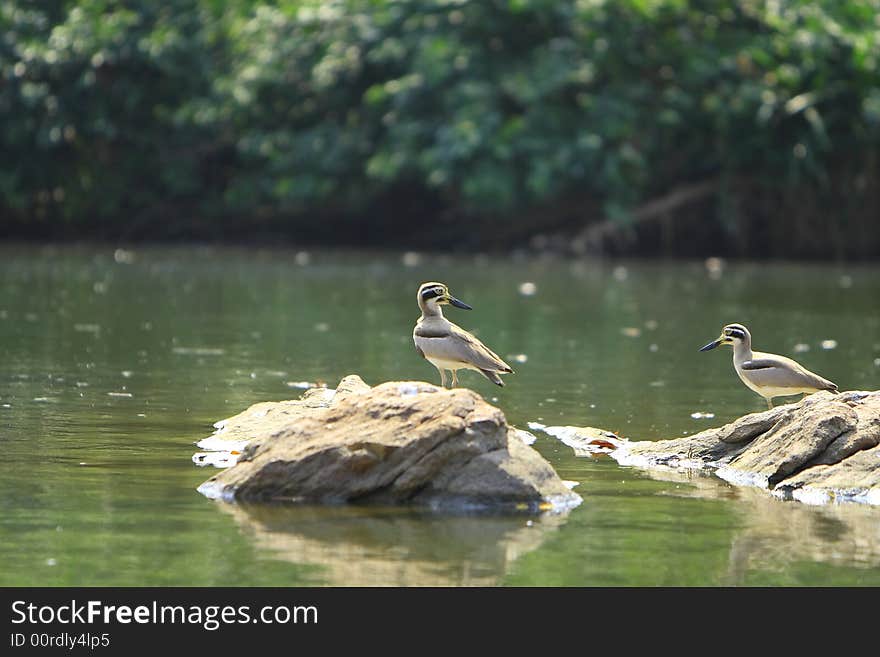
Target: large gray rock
825, 447
400, 442
264, 418
794, 440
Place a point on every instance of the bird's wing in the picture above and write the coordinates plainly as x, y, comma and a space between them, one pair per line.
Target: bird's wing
759, 364
478, 353
446, 341
783, 372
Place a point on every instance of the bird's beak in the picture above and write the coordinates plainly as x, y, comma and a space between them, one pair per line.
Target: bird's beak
458, 304
711, 345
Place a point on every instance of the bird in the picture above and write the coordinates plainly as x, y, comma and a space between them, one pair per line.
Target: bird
447, 346
770, 375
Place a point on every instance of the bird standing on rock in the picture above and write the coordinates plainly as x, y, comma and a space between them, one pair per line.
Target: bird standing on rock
769, 375
447, 346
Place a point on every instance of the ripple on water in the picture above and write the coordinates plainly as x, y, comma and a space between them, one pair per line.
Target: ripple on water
198, 351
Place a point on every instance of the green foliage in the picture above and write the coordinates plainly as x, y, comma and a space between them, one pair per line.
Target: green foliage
134, 112
86, 103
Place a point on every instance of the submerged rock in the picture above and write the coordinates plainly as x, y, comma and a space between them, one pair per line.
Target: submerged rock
585, 441
399, 442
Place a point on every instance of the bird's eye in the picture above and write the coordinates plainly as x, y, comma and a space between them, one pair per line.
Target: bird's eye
439, 291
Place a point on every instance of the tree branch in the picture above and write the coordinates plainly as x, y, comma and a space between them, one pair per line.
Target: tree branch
596, 233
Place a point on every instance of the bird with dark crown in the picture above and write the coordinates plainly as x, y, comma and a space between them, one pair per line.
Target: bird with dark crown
447, 346
770, 375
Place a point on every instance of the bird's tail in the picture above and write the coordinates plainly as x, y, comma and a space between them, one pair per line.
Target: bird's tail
827, 385
493, 377
820, 383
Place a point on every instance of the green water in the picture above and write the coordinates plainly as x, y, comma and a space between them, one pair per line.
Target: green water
114, 366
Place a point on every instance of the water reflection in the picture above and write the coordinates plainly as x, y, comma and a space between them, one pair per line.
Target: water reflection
121, 360
356, 546
775, 534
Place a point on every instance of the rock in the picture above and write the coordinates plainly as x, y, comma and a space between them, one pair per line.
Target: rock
856, 478
399, 442
702, 450
794, 440
749, 426
867, 435
825, 447
260, 419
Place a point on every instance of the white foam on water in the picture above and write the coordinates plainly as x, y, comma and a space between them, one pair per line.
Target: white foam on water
525, 436
581, 439
87, 328
742, 478
198, 351
821, 496
214, 491
563, 503
215, 443
807, 495
216, 459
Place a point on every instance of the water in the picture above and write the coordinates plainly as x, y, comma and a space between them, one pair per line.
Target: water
114, 364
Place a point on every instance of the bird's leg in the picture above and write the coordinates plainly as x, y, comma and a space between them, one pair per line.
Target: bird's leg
442, 377
454, 378
769, 402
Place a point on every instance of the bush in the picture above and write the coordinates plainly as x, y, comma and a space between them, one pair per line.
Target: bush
201, 116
